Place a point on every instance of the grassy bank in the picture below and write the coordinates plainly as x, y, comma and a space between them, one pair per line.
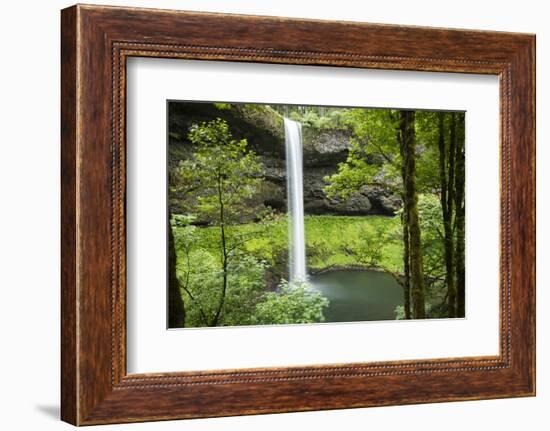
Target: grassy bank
339, 236
331, 241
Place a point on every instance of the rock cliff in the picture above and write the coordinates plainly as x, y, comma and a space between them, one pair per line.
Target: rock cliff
263, 128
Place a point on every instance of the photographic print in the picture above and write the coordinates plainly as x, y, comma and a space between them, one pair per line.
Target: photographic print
291, 214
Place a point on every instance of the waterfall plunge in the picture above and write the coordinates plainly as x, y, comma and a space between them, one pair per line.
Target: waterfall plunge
295, 197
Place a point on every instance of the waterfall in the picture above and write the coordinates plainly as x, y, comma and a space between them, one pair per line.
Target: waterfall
295, 198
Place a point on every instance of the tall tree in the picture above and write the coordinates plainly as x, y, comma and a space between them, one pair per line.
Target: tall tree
375, 160
447, 183
380, 158
460, 214
176, 312
408, 151
406, 284
224, 175
384, 155
406, 265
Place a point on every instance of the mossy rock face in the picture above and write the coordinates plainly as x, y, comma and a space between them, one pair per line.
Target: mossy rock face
263, 128
258, 124
264, 121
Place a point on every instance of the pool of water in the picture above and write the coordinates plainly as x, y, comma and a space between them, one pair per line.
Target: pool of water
358, 295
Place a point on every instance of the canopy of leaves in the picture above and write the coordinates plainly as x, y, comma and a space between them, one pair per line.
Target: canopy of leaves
221, 176
373, 158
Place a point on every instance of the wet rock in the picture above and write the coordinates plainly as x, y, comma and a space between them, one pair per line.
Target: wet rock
325, 147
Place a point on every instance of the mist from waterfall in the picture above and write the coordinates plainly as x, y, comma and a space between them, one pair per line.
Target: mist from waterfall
295, 199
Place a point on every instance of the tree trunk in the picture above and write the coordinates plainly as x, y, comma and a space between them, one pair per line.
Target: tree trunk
406, 282
406, 266
224, 256
460, 217
176, 308
446, 179
408, 145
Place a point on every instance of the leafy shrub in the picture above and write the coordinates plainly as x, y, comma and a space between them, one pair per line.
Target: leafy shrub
368, 246
292, 303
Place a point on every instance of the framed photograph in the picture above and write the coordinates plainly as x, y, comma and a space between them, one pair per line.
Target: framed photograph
264, 215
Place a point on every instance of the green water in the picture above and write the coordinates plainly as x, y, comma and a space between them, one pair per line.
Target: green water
358, 295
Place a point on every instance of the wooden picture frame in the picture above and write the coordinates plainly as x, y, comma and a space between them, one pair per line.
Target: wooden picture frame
95, 43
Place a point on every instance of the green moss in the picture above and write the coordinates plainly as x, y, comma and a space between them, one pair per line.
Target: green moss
223, 106
330, 240
263, 117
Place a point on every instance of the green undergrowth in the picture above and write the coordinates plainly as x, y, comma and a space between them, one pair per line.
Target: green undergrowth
331, 241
